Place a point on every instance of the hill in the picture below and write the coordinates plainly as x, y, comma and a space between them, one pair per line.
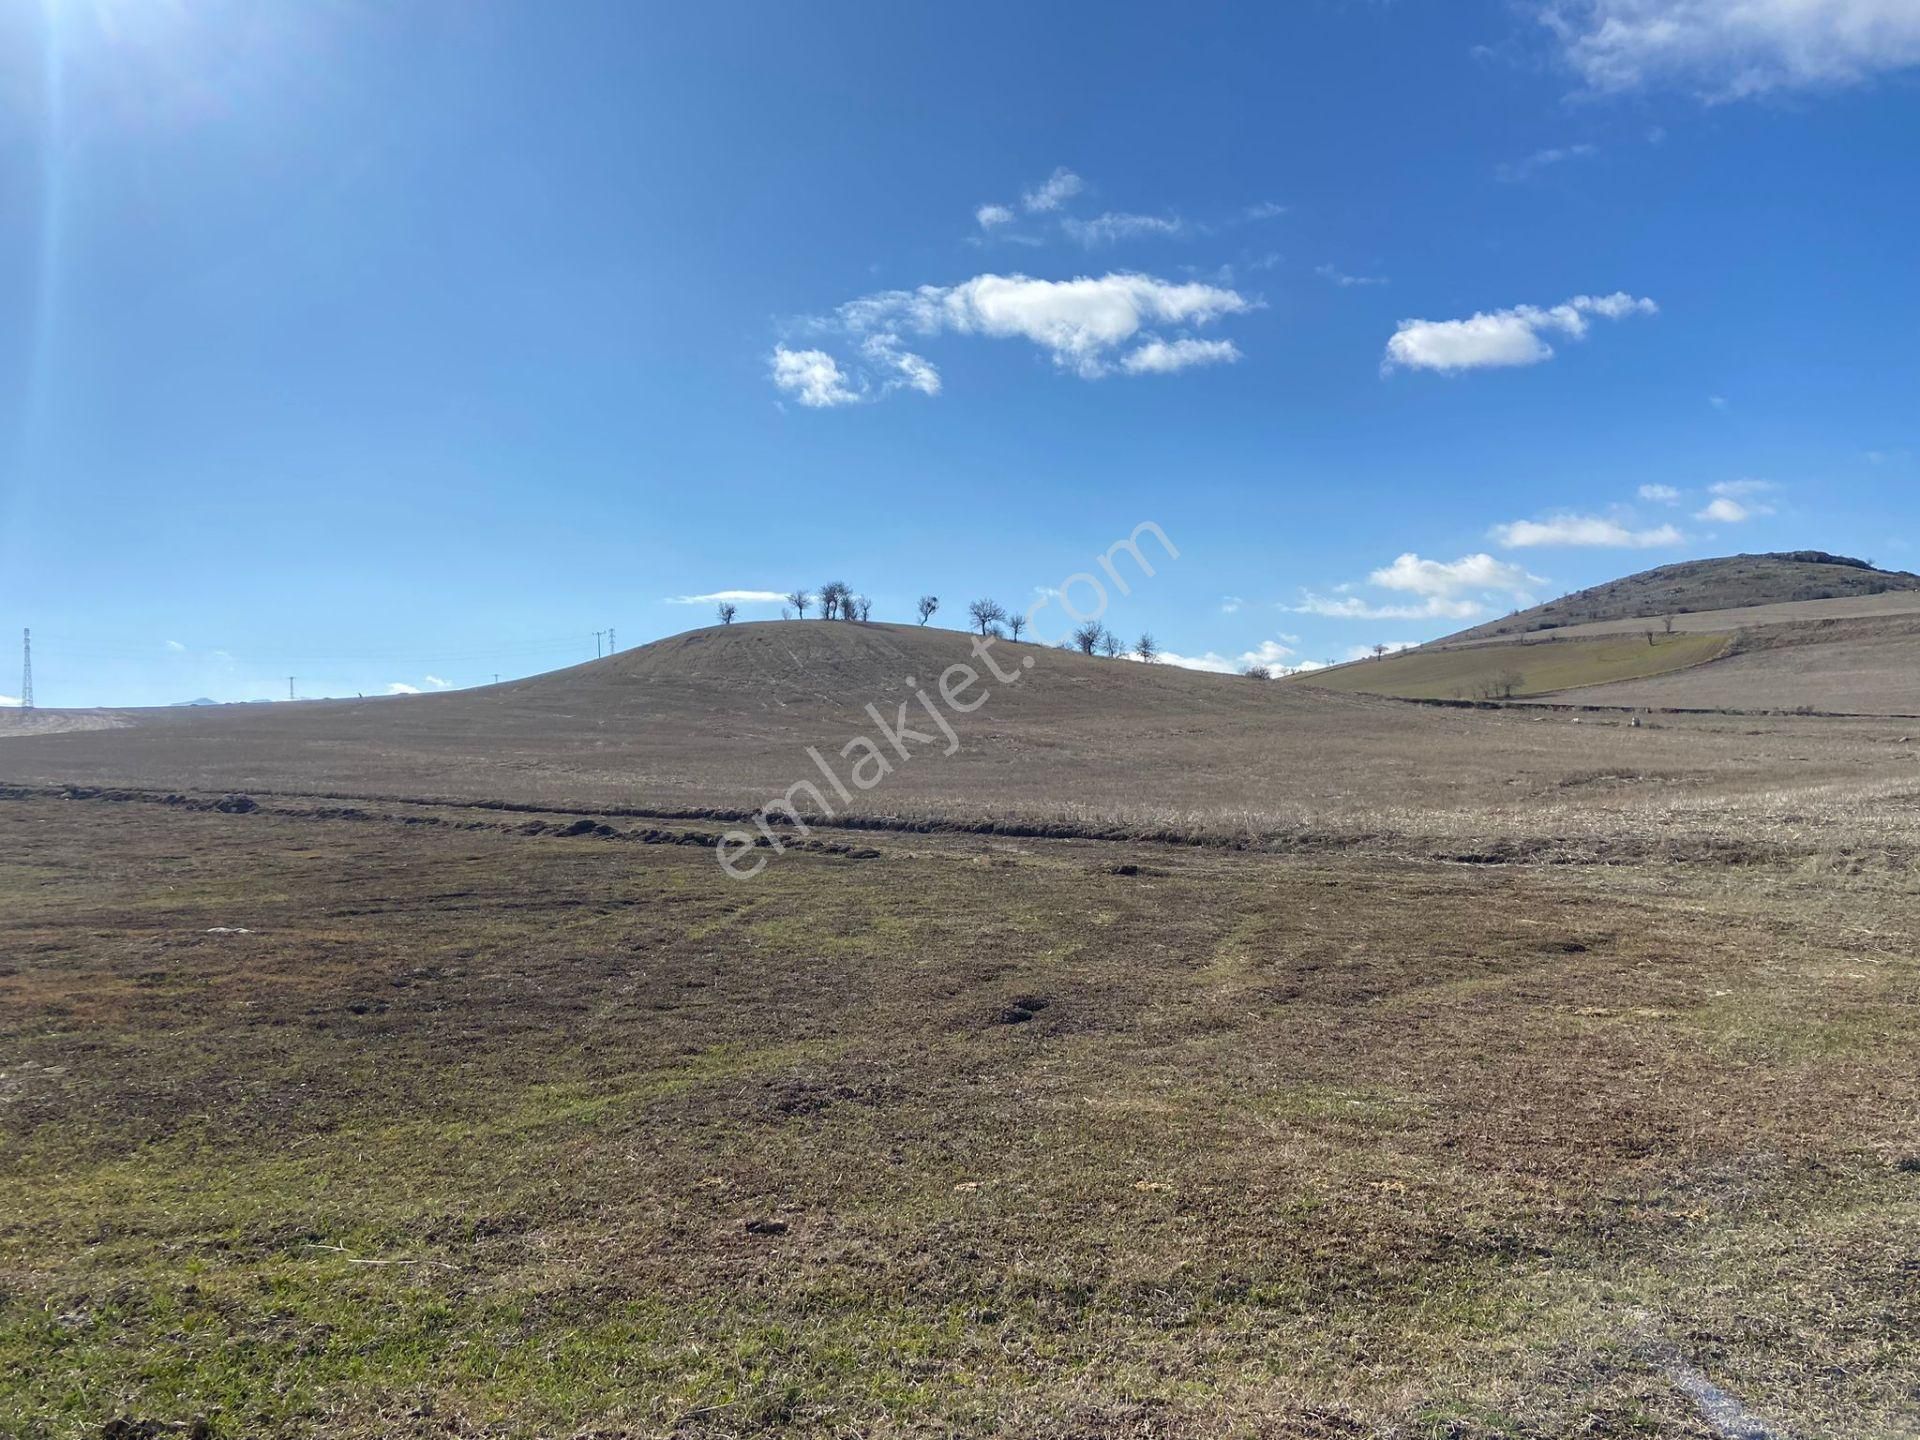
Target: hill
1813, 632
1497, 1045
1844, 666
1731, 582
723, 720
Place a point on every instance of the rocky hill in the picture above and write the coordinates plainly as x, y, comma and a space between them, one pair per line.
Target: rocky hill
1727, 583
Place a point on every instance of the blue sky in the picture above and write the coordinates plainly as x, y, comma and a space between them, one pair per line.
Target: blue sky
400, 344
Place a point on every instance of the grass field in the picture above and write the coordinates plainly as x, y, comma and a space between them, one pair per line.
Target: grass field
723, 720
1509, 670
1184, 1056
1898, 609
1863, 666
476, 1133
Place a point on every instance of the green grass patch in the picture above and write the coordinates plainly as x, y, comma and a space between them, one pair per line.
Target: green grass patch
1514, 670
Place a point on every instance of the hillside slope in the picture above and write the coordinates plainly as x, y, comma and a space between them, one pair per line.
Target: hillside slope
1519, 670
724, 718
1726, 583
1841, 667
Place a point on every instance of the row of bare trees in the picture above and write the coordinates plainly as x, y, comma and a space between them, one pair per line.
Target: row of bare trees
836, 601
1093, 638
990, 617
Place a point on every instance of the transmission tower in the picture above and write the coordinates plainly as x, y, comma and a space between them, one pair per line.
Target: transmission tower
26, 669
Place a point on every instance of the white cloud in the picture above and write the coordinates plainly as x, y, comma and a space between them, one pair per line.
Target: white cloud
1727, 512
1365, 652
1079, 322
1214, 664
737, 597
1462, 589
1089, 325
1269, 653
436, 682
174, 647
1162, 357
1584, 530
1338, 277
1718, 402
914, 372
1047, 201
1352, 607
1734, 501
1660, 494
1518, 170
1502, 337
400, 687
1112, 226
1264, 210
1471, 574
813, 377
9, 702
1231, 604
1728, 49
1051, 193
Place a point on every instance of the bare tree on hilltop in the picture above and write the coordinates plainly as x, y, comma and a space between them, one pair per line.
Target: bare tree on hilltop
1257, 672
985, 613
1110, 645
862, 607
928, 604
1146, 649
1015, 624
836, 601
726, 610
799, 600
1086, 638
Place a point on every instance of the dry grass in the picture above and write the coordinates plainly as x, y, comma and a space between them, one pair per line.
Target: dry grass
1892, 606
1450, 1067
976, 1136
1860, 666
723, 720
1728, 584
1510, 670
